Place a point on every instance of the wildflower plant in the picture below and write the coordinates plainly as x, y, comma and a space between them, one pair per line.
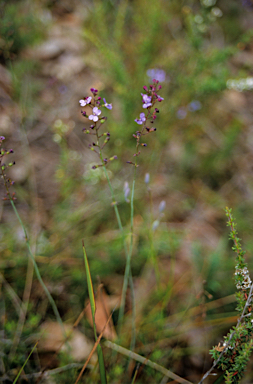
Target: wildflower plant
146, 121
233, 354
94, 103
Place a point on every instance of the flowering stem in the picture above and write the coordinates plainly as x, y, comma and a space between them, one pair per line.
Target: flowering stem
129, 255
128, 275
153, 257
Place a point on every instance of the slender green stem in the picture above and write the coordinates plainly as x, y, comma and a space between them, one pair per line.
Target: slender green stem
153, 256
23, 366
50, 299
133, 339
93, 311
128, 253
123, 297
135, 374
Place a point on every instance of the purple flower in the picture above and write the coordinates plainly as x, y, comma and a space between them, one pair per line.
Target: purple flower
247, 3
142, 119
155, 225
157, 74
159, 98
147, 178
195, 105
96, 113
85, 101
108, 106
146, 100
181, 113
162, 206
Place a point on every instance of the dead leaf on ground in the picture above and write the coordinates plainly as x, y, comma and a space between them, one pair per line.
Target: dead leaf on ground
102, 314
52, 340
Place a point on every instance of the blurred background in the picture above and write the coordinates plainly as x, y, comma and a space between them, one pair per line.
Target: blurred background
200, 160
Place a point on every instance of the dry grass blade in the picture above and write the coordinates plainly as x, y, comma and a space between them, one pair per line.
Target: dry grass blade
93, 349
17, 303
147, 362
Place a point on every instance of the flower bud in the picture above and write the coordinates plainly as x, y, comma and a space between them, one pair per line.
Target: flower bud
162, 206
155, 225
147, 178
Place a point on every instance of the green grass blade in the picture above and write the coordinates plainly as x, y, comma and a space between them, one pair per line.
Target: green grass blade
93, 311
135, 374
49, 296
23, 366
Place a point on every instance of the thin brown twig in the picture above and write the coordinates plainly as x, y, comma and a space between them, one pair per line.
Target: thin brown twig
93, 349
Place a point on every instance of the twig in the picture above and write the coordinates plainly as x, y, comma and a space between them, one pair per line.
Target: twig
46, 373
93, 349
145, 361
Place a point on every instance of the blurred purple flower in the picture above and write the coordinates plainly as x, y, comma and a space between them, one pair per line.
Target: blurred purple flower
181, 113
247, 3
108, 106
162, 206
142, 119
147, 178
62, 89
126, 191
194, 105
157, 74
155, 225
96, 113
146, 100
85, 101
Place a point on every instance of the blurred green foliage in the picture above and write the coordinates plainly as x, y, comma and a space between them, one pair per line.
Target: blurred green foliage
20, 27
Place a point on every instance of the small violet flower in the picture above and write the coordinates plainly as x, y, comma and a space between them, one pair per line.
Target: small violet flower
96, 113
146, 100
162, 206
155, 225
159, 98
147, 178
195, 105
85, 101
108, 106
157, 74
181, 113
142, 119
